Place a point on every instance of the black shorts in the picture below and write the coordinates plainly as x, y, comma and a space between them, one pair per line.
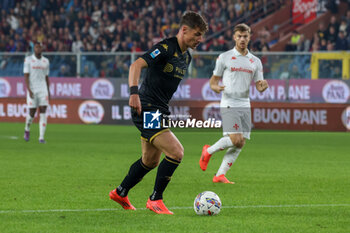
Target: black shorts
147, 134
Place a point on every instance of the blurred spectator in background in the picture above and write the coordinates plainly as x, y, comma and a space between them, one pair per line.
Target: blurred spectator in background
332, 35
336, 73
323, 45
330, 46
63, 71
322, 31
118, 68
264, 33
333, 23
295, 72
199, 69
344, 27
341, 43
303, 44
293, 43
77, 45
259, 44
86, 72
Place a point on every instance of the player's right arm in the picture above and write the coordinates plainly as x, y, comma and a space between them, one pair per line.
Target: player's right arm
26, 76
26, 68
214, 84
134, 77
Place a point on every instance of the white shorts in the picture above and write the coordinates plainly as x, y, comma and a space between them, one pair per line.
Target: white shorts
39, 99
236, 120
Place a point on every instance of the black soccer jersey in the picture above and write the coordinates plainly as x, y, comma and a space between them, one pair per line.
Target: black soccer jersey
167, 66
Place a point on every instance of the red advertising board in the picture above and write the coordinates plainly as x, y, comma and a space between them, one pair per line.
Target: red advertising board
304, 11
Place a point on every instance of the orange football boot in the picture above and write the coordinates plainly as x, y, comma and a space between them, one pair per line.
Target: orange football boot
157, 207
222, 179
123, 201
205, 157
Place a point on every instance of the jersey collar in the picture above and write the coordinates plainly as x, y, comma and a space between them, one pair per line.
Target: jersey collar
37, 59
236, 53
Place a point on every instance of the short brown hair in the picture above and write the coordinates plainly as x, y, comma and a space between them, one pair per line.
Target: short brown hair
242, 27
193, 20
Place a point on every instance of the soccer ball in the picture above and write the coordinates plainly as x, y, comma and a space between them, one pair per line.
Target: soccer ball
207, 203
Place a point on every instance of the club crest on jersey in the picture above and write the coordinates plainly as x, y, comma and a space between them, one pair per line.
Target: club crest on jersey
155, 53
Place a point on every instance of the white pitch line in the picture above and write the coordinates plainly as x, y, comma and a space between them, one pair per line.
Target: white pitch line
176, 207
9, 137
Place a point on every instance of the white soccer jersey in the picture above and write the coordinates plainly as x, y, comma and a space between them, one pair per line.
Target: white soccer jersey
38, 69
237, 72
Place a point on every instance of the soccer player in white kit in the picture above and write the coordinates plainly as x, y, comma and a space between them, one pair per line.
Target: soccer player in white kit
36, 72
237, 68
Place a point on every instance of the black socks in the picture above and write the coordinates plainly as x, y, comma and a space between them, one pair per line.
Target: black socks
136, 172
165, 171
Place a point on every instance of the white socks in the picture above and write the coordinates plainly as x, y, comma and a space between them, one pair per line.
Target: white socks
229, 158
222, 144
42, 125
29, 121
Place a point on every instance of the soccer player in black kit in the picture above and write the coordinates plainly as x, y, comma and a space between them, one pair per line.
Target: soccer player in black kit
166, 64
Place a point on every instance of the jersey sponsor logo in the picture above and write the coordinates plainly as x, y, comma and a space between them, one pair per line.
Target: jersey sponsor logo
38, 67
336, 92
102, 89
5, 88
346, 118
151, 120
91, 112
240, 69
155, 53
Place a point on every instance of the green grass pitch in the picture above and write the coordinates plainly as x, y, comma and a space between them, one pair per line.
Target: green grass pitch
285, 182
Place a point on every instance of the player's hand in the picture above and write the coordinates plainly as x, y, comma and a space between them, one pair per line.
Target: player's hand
217, 88
262, 85
135, 103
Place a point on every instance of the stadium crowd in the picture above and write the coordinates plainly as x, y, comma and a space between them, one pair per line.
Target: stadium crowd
101, 25
135, 25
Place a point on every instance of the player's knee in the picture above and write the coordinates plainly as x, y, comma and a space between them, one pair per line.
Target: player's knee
150, 163
149, 160
177, 154
239, 143
237, 140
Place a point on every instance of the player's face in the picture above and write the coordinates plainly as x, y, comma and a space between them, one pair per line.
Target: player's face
242, 39
38, 49
193, 36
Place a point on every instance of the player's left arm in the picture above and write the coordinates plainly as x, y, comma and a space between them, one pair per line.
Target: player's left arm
47, 78
260, 84
48, 85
